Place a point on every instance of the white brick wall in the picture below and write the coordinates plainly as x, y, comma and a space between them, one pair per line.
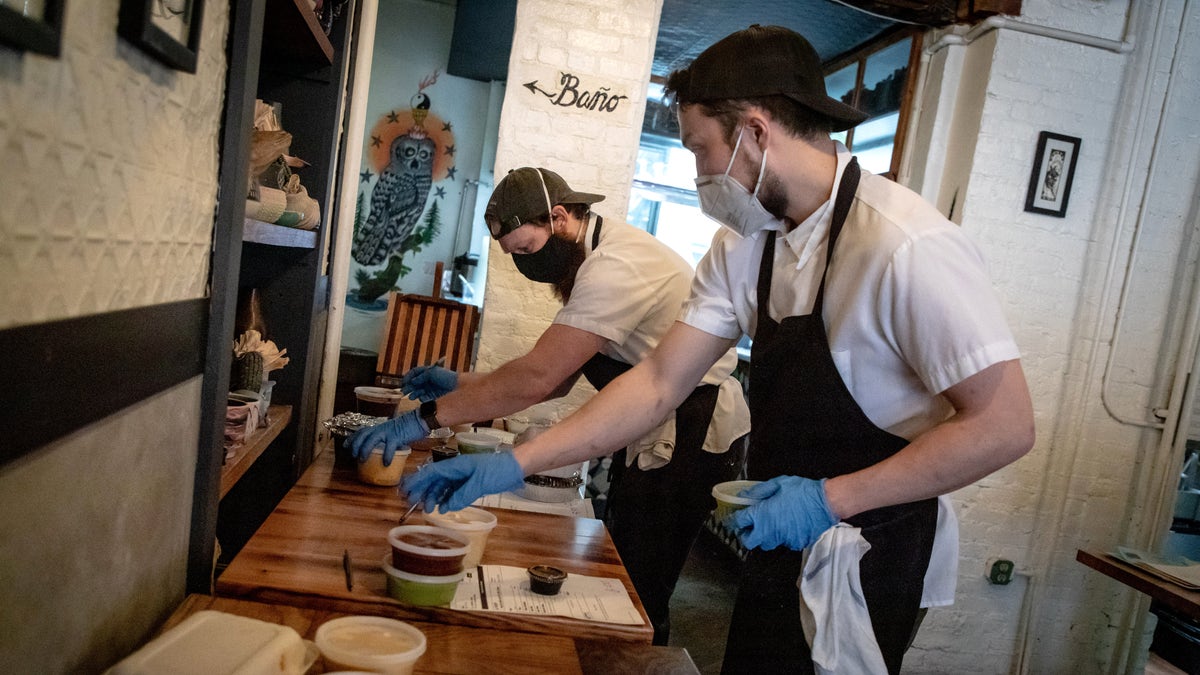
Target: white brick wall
594, 151
1091, 480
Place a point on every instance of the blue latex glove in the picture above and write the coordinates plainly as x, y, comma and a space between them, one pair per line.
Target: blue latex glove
429, 382
392, 434
793, 513
455, 483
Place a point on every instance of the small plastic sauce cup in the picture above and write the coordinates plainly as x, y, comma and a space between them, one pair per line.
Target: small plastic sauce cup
546, 580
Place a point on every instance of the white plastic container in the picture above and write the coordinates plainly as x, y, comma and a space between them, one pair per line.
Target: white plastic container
728, 499
215, 643
420, 589
372, 471
473, 522
373, 643
477, 442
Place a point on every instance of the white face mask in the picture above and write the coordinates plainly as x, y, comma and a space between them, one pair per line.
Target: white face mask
729, 203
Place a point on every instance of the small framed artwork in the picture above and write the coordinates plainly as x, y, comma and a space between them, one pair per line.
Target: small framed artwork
1053, 171
168, 30
32, 25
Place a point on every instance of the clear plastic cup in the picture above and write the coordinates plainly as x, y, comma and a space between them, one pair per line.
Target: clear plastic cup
727, 497
475, 523
427, 550
477, 442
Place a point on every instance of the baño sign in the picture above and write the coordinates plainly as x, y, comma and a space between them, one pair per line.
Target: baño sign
571, 92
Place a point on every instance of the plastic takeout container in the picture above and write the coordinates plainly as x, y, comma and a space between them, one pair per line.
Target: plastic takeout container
372, 643
372, 471
383, 402
477, 442
475, 523
427, 550
727, 497
421, 589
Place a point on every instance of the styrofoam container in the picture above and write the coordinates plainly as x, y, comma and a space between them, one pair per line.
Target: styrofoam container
727, 497
372, 643
216, 643
473, 522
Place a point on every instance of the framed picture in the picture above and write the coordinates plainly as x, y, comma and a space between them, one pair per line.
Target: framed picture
1053, 171
33, 25
168, 30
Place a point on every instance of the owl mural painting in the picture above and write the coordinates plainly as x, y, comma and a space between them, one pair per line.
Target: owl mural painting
409, 150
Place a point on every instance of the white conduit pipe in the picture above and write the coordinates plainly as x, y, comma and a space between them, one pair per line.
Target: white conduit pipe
984, 27
1122, 302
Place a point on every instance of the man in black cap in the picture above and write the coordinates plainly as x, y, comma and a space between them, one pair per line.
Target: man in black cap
621, 290
883, 373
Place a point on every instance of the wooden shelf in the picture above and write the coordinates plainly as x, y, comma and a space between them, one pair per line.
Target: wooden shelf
293, 39
258, 232
278, 417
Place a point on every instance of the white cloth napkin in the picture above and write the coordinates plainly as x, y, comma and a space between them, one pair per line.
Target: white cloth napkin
833, 612
656, 448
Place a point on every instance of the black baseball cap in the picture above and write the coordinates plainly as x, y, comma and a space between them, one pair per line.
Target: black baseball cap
526, 195
763, 61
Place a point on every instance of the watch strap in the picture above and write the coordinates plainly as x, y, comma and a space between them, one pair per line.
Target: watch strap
428, 413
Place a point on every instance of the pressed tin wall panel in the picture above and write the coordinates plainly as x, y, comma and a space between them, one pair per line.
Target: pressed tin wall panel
108, 180
108, 177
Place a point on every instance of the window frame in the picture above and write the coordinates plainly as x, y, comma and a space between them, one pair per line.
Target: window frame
859, 56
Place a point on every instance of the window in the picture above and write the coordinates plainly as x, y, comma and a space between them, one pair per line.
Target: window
876, 81
663, 199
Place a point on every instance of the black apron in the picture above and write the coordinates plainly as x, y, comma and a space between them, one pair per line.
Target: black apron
654, 516
806, 423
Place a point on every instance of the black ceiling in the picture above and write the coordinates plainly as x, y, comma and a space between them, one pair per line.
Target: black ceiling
483, 30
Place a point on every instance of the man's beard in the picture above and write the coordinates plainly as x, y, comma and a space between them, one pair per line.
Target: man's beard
772, 195
563, 288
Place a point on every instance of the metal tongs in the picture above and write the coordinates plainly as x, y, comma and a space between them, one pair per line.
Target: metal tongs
409, 512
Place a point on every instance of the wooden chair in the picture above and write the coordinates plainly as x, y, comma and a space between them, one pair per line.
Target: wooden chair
421, 329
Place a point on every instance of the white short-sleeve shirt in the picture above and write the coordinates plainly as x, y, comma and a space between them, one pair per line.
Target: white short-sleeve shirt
629, 290
909, 312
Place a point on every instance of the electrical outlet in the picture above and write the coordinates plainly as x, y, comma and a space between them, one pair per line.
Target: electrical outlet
1000, 571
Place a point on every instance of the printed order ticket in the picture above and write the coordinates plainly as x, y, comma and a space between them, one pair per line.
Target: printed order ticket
500, 588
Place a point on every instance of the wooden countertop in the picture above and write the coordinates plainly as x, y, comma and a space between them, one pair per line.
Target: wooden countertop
295, 558
454, 649
1175, 597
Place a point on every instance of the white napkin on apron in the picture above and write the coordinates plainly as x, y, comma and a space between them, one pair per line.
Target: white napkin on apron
833, 612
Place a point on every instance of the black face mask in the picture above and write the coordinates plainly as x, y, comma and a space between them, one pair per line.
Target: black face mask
551, 264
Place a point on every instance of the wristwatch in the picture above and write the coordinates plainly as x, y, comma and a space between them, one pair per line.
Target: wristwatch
428, 413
